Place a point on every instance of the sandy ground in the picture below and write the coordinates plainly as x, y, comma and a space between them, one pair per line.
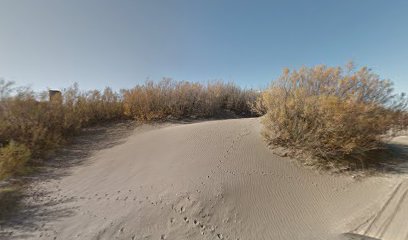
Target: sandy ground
209, 180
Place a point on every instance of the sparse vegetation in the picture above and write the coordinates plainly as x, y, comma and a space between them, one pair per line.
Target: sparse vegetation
170, 99
327, 112
332, 113
13, 157
32, 125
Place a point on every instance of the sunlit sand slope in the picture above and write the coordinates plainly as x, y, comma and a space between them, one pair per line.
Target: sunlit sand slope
211, 180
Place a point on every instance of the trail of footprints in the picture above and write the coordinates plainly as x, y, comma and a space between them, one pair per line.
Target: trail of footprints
186, 210
244, 132
199, 219
200, 223
190, 214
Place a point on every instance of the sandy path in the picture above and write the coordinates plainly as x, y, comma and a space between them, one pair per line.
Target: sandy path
210, 180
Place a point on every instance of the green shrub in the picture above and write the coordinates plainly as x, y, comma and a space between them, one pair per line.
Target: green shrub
331, 113
13, 158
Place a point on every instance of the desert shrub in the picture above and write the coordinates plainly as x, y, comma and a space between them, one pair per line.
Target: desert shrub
81, 109
170, 99
13, 158
42, 125
331, 112
26, 121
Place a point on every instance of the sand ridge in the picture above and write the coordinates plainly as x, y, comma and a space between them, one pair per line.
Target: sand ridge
210, 180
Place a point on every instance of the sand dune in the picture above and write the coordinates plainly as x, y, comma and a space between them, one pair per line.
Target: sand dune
211, 180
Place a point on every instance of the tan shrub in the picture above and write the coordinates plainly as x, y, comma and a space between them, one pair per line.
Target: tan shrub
330, 112
43, 125
13, 158
171, 99
31, 120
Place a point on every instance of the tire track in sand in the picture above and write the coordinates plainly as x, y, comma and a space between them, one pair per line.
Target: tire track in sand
388, 223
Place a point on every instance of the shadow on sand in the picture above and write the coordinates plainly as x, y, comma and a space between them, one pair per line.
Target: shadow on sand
26, 207
392, 160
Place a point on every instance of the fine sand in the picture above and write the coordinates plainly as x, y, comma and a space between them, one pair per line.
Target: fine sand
209, 180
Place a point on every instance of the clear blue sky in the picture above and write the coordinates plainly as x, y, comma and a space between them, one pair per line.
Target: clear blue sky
50, 43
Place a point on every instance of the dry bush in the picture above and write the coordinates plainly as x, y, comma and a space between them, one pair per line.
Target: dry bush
81, 109
41, 125
25, 120
331, 112
13, 159
177, 100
